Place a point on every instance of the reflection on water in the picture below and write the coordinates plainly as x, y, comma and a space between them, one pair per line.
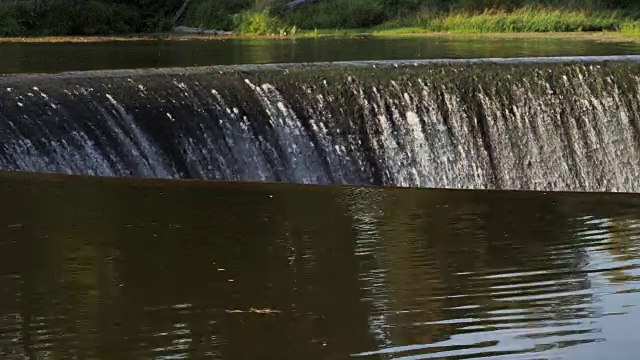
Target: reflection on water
97, 268
366, 208
58, 57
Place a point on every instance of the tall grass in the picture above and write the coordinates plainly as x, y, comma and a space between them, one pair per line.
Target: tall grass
525, 20
631, 27
469, 15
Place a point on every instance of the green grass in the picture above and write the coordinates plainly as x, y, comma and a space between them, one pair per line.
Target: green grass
335, 32
467, 15
518, 21
524, 20
631, 28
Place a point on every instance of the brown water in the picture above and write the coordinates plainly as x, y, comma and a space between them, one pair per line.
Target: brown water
124, 269
58, 57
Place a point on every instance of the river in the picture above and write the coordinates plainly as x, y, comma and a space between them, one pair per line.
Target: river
29, 57
309, 260
118, 269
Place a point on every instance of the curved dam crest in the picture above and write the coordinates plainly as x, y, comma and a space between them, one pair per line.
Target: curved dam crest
524, 124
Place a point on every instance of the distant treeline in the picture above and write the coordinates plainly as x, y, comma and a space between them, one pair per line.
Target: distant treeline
100, 17
85, 17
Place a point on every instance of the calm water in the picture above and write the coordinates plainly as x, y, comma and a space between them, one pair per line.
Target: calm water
95, 268
57, 57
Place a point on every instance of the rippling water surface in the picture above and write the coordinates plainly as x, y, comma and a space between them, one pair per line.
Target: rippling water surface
97, 268
20, 57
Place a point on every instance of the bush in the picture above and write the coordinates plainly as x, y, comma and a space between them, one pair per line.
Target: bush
215, 14
92, 17
631, 26
334, 14
9, 25
256, 23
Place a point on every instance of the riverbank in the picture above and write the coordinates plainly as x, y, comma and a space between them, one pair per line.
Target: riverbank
273, 17
400, 33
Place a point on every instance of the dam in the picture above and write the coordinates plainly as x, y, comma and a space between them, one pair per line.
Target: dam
549, 124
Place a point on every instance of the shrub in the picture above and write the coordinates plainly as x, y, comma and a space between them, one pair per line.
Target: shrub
333, 14
256, 23
631, 26
215, 14
9, 25
90, 18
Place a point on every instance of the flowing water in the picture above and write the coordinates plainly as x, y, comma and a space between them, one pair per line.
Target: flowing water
527, 124
152, 269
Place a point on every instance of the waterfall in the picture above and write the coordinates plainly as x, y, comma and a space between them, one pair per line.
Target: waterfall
529, 124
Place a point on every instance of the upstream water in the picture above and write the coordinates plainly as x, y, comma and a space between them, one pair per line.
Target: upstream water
56, 57
145, 269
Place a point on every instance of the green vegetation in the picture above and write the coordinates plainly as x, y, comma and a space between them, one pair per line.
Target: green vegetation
261, 23
84, 17
269, 17
418, 16
216, 14
524, 20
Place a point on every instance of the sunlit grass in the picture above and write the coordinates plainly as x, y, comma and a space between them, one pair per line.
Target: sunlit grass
526, 20
631, 28
495, 22
520, 21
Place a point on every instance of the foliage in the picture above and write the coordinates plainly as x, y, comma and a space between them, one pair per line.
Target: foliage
523, 21
249, 17
261, 23
631, 27
339, 14
468, 15
92, 17
255, 23
268, 17
9, 25
216, 14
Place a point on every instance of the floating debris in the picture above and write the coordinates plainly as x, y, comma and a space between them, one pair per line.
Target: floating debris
254, 311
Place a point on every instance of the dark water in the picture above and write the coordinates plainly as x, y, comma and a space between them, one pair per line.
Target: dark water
96, 268
57, 57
